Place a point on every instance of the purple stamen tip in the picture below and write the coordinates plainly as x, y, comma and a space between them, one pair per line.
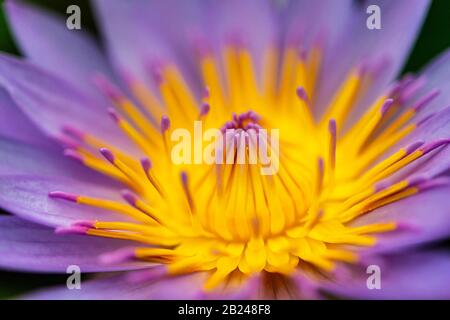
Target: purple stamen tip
205, 109
429, 184
165, 123
411, 89
63, 195
155, 69
301, 93
206, 93
107, 87
320, 164
81, 230
157, 76
407, 226
303, 54
434, 145
252, 126
402, 84
254, 116
118, 256
147, 275
394, 89
425, 100
84, 223
73, 155
425, 119
332, 127
114, 115
235, 117
413, 147
184, 177
146, 164
228, 125
386, 106
363, 69
417, 180
129, 197
73, 132
67, 142
382, 185
107, 154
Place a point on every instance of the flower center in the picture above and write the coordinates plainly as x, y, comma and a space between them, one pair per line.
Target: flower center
227, 218
244, 121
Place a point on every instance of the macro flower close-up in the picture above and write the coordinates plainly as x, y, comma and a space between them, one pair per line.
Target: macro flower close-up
225, 149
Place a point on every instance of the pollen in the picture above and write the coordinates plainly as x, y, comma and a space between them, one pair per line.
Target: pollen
227, 219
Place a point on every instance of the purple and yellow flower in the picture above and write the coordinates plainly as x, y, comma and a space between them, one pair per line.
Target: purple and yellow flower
86, 143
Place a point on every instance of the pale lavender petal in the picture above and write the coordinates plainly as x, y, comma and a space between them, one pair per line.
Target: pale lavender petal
182, 23
45, 39
25, 246
251, 22
23, 158
14, 124
189, 16
191, 26
27, 196
120, 288
357, 44
172, 31
422, 218
133, 44
421, 275
51, 103
319, 22
28, 173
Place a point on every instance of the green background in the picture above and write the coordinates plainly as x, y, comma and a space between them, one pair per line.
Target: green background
434, 38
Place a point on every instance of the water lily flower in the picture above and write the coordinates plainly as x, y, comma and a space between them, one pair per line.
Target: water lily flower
86, 146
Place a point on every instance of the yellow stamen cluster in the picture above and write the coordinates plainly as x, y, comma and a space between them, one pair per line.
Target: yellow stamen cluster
228, 219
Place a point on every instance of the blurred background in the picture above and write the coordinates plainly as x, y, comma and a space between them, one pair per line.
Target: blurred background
433, 39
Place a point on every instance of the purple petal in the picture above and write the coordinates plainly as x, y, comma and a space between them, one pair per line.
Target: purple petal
51, 103
401, 21
179, 23
21, 158
424, 217
133, 44
27, 196
14, 124
314, 21
45, 39
437, 75
168, 31
25, 246
252, 22
29, 173
407, 276
119, 288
